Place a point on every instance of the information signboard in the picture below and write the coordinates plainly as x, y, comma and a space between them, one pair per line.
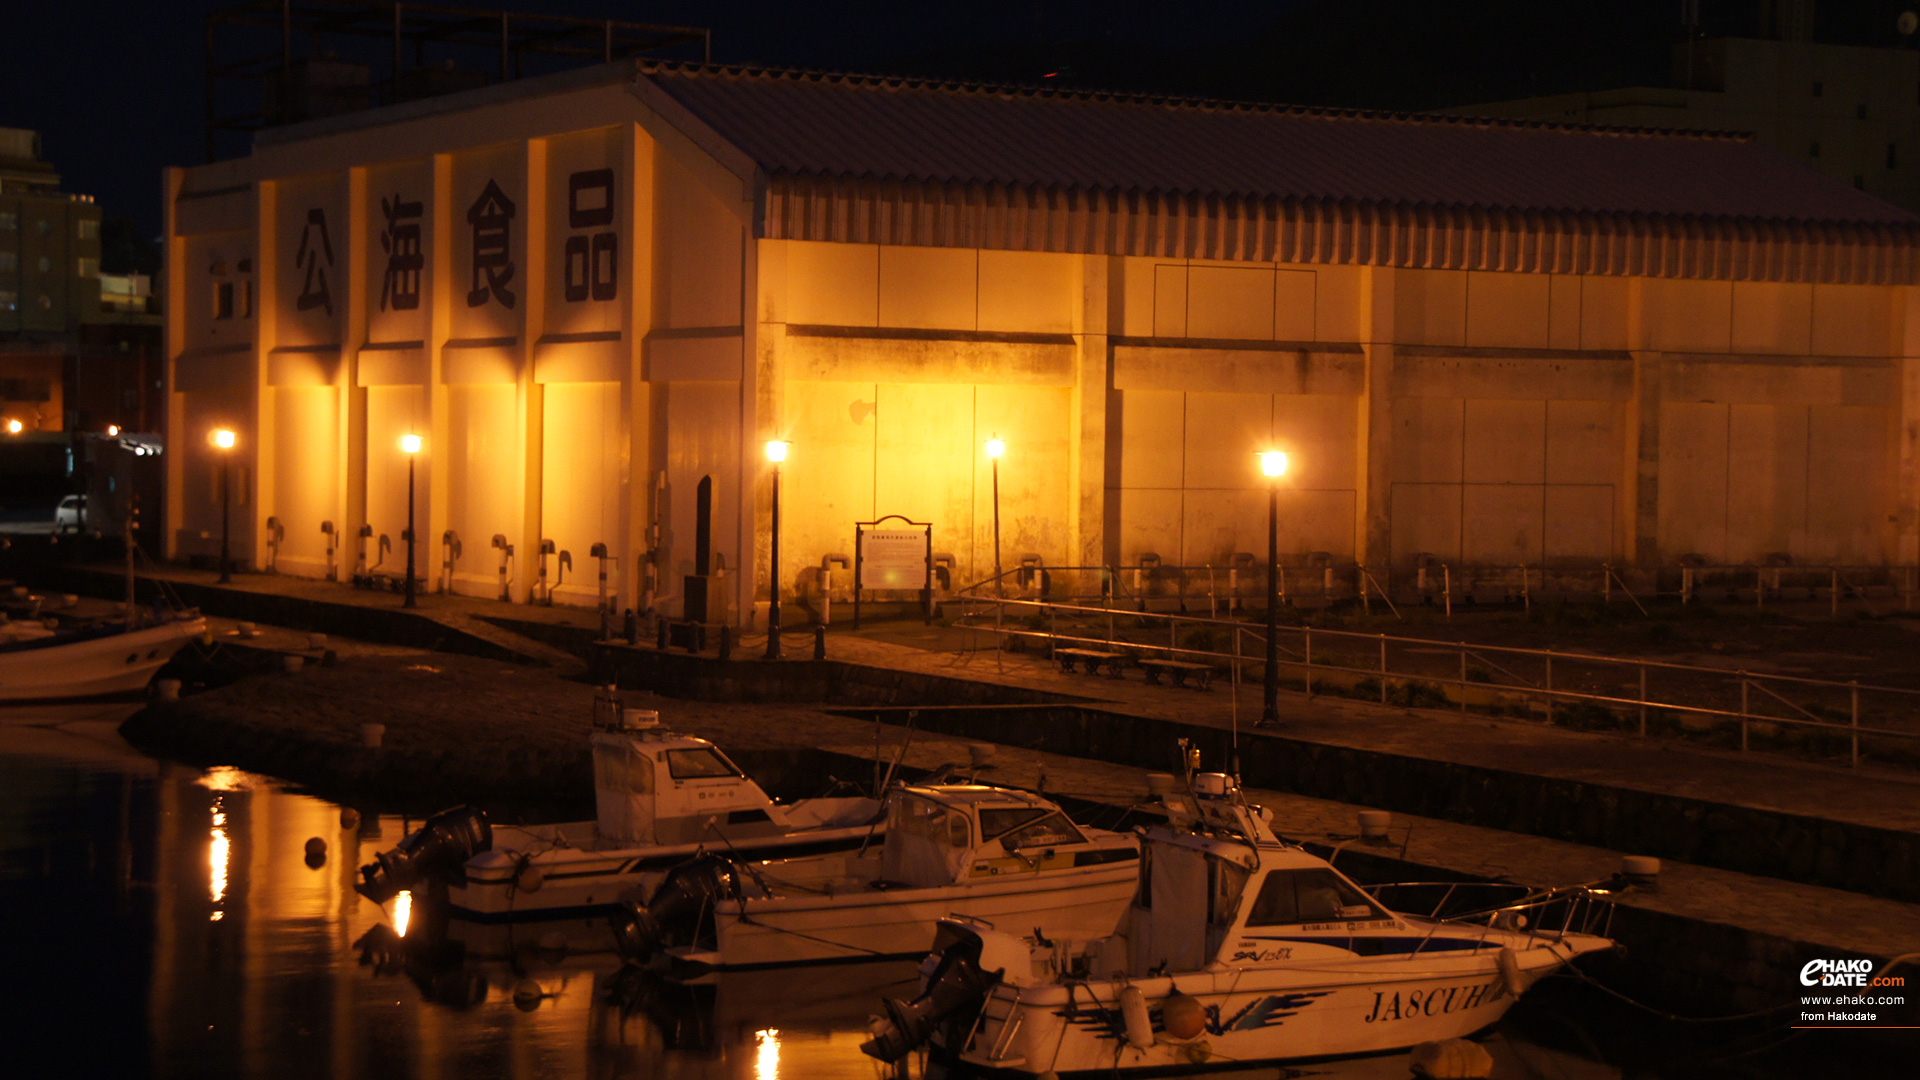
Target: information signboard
893, 553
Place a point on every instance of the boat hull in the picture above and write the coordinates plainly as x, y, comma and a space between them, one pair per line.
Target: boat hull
584, 887
1077, 904
122, 663
1265, 1016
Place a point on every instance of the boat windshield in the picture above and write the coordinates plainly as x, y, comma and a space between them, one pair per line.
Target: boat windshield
1309, 896
1054, 830
700, 764
999, 820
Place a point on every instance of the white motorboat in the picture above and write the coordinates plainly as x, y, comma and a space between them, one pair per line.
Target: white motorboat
660, 799
51, 663
1239, 950
994, 853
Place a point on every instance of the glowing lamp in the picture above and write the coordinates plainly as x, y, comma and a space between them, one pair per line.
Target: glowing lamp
995, 447
1273, 463
777, 450
410, 444
223, 439
113, 430
14, 427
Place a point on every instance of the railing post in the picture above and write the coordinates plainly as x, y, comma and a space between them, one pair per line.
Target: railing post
1606, 583
1853, 690
1307, 633
1549, 688
1686, 584
1446, 578
1643, 701
1383, 669
1743, 712
1463, 678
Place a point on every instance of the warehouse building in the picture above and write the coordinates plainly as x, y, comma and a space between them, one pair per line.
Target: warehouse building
595, 296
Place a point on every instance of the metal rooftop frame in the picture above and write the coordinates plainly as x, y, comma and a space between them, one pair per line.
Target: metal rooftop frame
240, 50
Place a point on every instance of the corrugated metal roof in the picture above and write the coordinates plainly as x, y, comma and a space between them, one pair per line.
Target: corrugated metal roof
873, 129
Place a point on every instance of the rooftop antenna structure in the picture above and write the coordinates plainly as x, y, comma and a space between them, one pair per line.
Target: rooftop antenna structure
271, 62
1907, 23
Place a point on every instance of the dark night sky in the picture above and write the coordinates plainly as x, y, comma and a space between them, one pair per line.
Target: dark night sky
116, 89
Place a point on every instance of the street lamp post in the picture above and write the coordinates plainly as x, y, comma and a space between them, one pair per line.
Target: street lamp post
995, 448
776, 453
410, 446
223, 440
1273, 464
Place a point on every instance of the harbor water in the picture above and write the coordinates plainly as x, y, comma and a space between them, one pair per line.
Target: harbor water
176, 921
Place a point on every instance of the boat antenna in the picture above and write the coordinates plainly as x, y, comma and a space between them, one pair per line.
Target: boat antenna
898, 757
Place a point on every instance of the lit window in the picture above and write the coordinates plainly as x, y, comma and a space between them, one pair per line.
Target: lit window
89, 229
9, 221
45, 264
9, 261
88, 267
9, 301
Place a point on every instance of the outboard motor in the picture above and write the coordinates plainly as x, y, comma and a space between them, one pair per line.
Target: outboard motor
441, 847
956, 990
680, 909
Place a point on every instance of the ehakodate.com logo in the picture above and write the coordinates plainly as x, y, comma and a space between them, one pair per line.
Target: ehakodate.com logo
1836, 973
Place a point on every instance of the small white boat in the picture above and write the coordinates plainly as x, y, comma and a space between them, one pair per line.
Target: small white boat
990, 852
1240, 950
660, 798
42, 663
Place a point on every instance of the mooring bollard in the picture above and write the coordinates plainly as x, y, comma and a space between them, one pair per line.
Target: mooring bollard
819, 643
371, 735
726, 643
169, 689
292, 662
632, 627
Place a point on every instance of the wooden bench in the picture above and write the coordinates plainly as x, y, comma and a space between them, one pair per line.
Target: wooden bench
1092, 659
1180, 670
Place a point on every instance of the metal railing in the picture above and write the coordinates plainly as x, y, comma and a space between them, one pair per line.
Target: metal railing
1426, 672
1221, 590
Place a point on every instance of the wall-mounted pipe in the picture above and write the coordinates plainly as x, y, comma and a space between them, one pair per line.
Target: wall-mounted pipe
506, 555
360, 539
826, 584
542, 592
562, 563
276, 533
333, 538
450, 552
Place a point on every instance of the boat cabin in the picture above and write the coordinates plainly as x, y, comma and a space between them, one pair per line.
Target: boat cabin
652, 786
1238, 896
944, 834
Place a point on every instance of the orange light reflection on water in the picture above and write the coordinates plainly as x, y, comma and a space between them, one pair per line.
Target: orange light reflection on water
218, 850
402, 911
766, 1065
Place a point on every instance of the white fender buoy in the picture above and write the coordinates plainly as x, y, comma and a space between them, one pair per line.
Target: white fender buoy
1510, 972
1133, 1010
1451, 1059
